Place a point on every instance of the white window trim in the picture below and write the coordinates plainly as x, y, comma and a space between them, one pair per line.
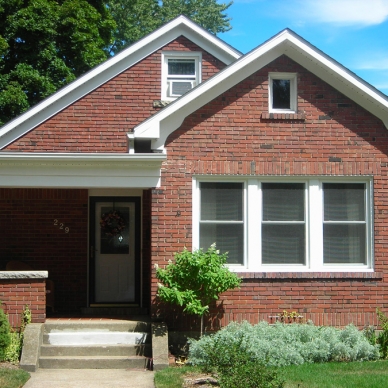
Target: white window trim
166, 55
314, 216
292, 77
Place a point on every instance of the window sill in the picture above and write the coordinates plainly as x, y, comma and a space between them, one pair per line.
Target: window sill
347, 276
283, 116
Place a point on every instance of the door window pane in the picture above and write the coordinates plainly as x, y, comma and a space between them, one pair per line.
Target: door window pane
114, 225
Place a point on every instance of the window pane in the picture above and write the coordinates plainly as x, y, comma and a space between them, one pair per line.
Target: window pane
283, 244
228, 238
344, 244
221, 201
181, 67
344, 201
281, 94
283, 201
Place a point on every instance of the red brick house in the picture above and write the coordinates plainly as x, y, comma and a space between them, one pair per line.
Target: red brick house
279, 156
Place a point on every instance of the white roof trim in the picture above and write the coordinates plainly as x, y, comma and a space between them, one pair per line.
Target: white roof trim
52, 170
287, 42
111, 68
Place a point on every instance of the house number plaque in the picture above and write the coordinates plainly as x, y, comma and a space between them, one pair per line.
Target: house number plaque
61, 226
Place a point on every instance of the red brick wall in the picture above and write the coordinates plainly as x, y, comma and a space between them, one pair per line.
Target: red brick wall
15, 294
233, 135
100, 121
29, 234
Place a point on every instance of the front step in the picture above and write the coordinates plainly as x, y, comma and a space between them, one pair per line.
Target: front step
95, 345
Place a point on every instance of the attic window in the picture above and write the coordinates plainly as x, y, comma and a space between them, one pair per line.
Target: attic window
282, 93
180, 73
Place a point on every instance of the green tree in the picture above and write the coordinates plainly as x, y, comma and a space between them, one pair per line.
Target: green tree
45, 44
195, 280
5, 333
136, 18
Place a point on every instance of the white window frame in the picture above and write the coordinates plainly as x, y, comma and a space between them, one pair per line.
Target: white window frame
292, 77
313, 221
197, 79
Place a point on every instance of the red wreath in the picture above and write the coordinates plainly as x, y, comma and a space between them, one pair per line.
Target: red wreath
112, 223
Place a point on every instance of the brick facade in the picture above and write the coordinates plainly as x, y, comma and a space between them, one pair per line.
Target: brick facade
15, 294
235, 135
34, 237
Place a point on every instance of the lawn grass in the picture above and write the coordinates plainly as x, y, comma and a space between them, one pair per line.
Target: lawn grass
368, 374
172, 377
371, 374
13, 378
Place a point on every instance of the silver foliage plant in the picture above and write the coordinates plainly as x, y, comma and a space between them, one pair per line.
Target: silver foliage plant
283, 344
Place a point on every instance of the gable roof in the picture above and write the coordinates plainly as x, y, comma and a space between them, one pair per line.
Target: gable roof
111, 68
159, 126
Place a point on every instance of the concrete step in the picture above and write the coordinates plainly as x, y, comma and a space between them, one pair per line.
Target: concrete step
95, 344
92, 362
114, 311
109, 325
95, 350
95, 338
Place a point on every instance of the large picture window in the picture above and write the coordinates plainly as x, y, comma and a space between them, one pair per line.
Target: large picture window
270, 225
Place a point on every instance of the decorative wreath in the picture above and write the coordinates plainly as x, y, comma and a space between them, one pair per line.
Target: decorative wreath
112, 223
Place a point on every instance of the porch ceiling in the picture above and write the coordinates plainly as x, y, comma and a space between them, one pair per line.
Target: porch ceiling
70, 170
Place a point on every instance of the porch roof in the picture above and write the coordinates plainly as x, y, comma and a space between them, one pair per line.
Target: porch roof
76, 170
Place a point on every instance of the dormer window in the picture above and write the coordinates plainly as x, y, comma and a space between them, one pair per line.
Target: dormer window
282, 93
181, 72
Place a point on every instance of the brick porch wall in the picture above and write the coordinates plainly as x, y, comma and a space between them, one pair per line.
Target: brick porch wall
15, 294
233, 135
31, 234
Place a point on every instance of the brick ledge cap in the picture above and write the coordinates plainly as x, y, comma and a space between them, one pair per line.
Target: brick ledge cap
23, 274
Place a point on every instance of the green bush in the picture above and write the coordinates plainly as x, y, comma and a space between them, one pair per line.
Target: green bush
282, 344
382, 338
250, 374
5, 336
14, 349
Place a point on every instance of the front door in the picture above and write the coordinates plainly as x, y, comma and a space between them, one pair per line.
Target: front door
114, 246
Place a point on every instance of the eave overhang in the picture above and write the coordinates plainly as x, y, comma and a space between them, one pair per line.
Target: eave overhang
163, 123
71, 170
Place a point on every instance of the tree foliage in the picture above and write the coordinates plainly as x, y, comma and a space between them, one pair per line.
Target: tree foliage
195, 280
136, 18
45, 44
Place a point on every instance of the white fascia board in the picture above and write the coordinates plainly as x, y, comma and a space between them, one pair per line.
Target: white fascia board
113, 67
80, 170
338, 76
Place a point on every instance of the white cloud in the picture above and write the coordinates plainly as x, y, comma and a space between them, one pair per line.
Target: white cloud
341, 12
373, 64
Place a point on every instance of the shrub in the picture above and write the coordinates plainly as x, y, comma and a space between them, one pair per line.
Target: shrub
195, 280
250, 375
382, 338
5, 336
282, 344
14, 349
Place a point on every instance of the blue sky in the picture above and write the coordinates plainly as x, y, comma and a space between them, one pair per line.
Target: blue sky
353, 32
